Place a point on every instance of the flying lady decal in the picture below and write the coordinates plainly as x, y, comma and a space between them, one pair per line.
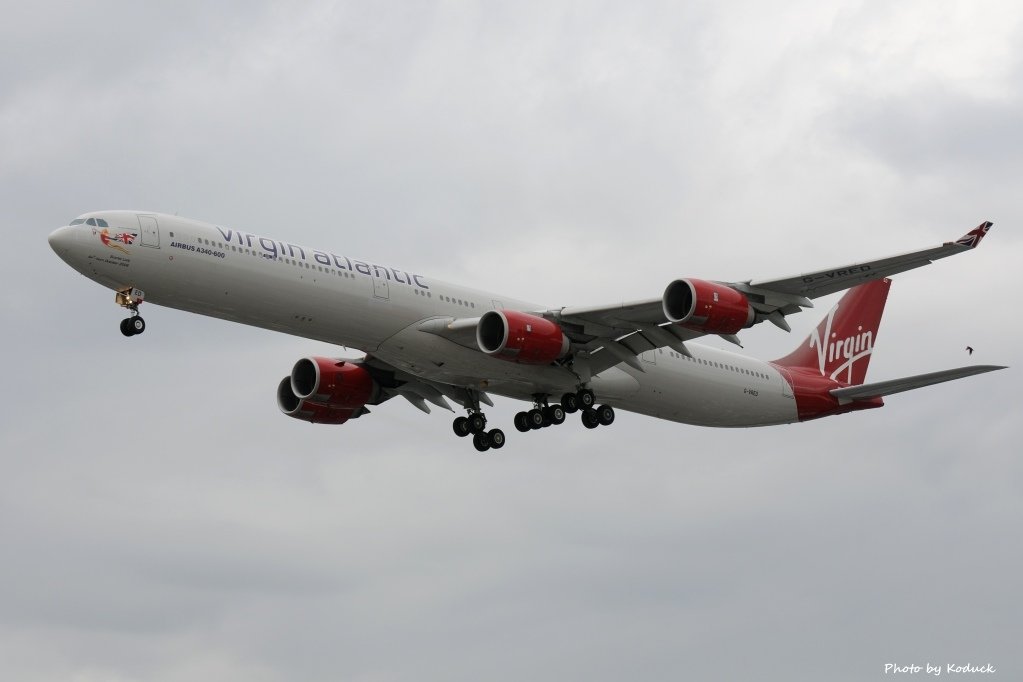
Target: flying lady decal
116, 241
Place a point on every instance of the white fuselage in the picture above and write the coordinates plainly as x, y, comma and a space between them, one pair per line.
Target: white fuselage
378, 308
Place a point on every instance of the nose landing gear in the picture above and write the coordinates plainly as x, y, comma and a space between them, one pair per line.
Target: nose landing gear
130, 326
131, 299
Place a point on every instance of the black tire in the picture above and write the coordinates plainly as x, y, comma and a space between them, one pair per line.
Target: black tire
522, 422
138, 325
557, 414
126, 327
536, 419
481, 441
548, 419
590, 419
586, 398
477, 423
496, 437
570, 403
460, 426
605, 415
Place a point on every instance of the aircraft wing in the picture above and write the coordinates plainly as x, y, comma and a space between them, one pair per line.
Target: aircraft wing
883, 388
615, 333
824, 282
395, 382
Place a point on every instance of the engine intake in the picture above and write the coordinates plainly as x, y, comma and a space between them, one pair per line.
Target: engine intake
520, 337
335, 382
707, 306
307, 410
325, 391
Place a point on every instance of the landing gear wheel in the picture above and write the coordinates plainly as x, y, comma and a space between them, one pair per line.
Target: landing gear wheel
481, 441
586, 398
522, 422
126, 327
496, 437
477, 422
570, 403
605, 415
556, 413
138, 325
535, 418
590, 419
460, 426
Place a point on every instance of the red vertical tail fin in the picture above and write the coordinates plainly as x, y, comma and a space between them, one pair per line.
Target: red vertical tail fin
841, 345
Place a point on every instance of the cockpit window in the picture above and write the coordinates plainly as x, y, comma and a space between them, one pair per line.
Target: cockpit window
101, 223
78, 221
90, 221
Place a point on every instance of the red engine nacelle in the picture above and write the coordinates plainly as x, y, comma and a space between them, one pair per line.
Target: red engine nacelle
325, 391
520, 337
307, 410
707, 306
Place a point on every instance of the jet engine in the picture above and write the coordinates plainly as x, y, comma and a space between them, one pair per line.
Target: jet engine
707, 306
520, 337
325, 390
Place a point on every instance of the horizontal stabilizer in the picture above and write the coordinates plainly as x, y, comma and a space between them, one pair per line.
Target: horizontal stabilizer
883, 388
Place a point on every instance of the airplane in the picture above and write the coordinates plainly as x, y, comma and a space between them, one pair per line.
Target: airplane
433, 342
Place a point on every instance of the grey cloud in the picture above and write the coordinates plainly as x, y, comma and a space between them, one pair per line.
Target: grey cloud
161, 520
934, 131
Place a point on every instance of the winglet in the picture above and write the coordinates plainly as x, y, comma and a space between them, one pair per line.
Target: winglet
973, 237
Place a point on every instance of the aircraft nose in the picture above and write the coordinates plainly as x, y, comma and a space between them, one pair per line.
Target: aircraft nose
61, 241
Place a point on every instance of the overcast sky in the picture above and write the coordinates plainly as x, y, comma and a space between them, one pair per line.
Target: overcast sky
161, 520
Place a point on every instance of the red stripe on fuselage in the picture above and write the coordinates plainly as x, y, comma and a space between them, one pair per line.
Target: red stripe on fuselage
813, 394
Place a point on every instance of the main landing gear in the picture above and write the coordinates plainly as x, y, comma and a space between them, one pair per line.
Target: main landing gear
131, 299
541, 416
603, 415
475, 423
544, 414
